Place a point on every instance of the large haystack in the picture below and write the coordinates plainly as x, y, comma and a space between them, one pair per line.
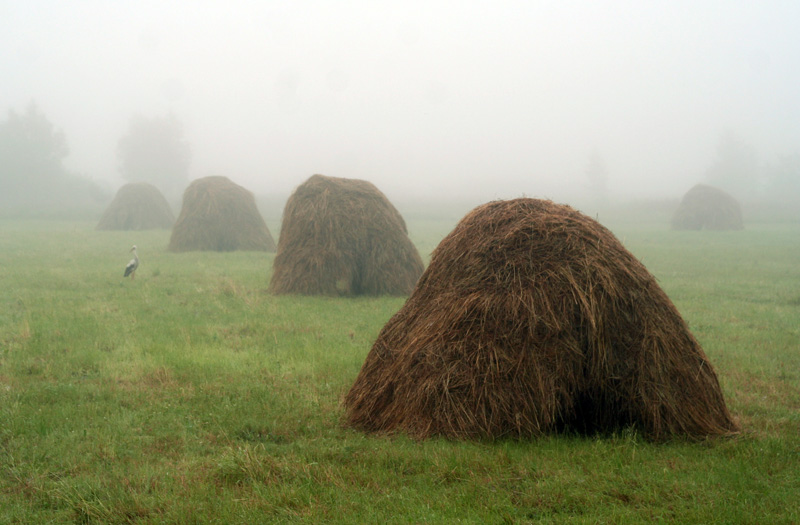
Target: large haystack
137, 206
343, 237
219, 215
707, 208
533, 318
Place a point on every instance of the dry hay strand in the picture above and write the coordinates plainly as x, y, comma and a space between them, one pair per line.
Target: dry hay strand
707, 208
137, 206
219, 215
533, 318
343, 237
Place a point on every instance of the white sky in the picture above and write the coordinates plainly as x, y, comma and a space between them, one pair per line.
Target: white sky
434, 98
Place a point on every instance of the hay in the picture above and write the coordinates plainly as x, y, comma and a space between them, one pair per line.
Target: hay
137, 206
533, 318
707, 208
219, 215
343, 237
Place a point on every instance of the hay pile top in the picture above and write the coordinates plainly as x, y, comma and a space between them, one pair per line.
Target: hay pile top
533, 318
219, 215
137, 206
343, 237
707, 208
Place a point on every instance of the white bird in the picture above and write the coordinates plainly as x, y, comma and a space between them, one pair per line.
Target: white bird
130, 269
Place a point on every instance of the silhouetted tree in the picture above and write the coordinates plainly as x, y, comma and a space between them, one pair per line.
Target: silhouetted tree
155, 151
736, 167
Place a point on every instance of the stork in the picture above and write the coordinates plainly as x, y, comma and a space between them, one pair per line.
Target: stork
130, 269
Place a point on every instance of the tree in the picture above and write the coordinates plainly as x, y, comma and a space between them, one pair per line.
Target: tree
31, 154
736, 167
783, 179
155, 151
33, 179
597, 176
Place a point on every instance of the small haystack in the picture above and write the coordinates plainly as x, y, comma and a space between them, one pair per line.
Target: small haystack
533, 318
343, 237
219, 215
707, 208
137, 206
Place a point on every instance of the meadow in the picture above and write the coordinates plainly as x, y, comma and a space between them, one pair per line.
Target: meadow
191, 395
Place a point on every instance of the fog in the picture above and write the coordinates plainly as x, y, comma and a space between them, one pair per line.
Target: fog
443, 100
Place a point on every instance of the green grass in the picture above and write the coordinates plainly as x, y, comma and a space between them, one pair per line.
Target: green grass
190, 395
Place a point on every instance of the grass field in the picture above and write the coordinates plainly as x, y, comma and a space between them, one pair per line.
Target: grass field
190, 395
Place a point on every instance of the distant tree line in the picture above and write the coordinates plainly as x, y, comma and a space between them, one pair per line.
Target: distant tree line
737, 169
35, 182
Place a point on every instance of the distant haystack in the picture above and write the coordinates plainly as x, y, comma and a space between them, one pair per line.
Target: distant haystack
533, 318
137, 206
707, 208
219, 215
343, 237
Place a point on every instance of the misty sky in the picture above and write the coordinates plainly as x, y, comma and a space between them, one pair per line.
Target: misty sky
496, 99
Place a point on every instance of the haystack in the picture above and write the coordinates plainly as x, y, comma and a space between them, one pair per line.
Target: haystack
707, 208
533, 318
343, 237
137, 206
219, 215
